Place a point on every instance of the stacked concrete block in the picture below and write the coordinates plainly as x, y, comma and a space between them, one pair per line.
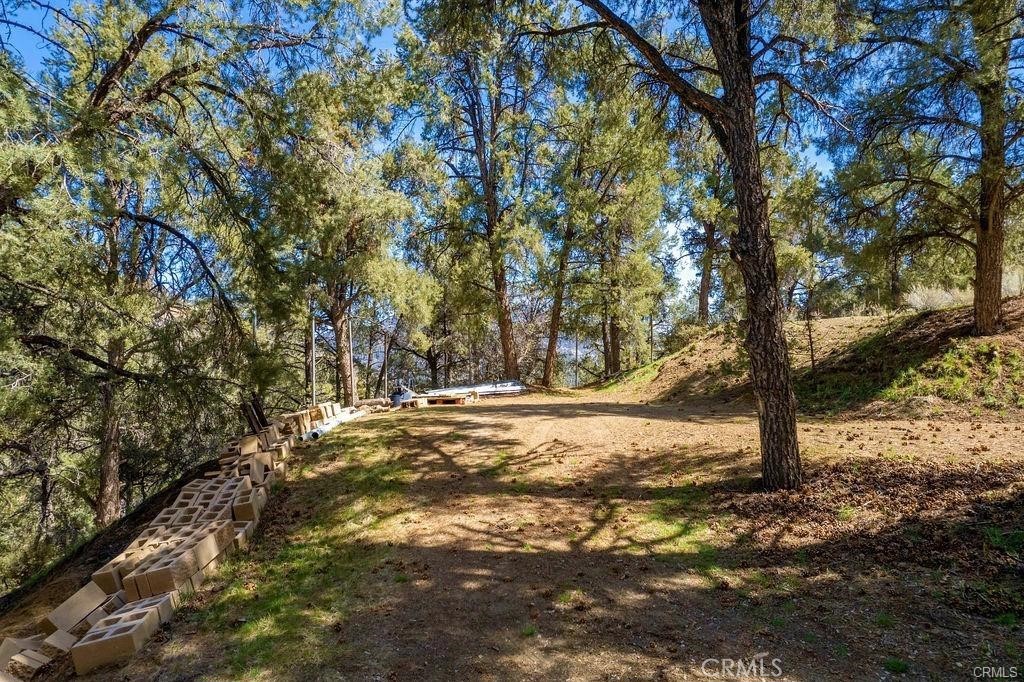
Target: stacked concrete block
112, 616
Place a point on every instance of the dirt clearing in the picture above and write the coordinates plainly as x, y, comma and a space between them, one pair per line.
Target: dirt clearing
581, 538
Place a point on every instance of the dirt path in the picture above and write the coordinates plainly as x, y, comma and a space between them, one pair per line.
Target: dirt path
571, 538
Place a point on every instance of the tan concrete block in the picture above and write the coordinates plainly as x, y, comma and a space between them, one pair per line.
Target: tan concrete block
109, 605
254, 470
163, 604
188, 516
214, 542
243, 533
58, 644
26, 664
281, 469
268, 481
8, 647
248, 505
248, 443
74, 609
105, 645
166, 517
169, 575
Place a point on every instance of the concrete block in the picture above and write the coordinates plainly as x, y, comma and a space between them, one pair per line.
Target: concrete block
216, 512
116, 642
168, 574
167, 516
74, 609
249, 504
213, 542
281, 469
188, 515
164, 605
254, 470
26, 663
247, 444
243, 533
109, 605
58, 644
11, 646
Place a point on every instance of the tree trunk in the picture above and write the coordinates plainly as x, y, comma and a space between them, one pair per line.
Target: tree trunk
556, 307
728, 26
307, 339
389, 344
993, 28
614, 345
434, 364
990, 233
605, 342
509, 352
342, 358
108, 500
895, 283
707, 261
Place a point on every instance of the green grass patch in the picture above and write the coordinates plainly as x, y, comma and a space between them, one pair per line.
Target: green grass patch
896, 665
884, 620
638, 377
281, 604
1009, 619
1009, 541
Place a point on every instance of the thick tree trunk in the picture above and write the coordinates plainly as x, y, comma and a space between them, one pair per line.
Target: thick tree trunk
509, 352
108, 500
343, 388
614, 345
434, 365
556, 307
990, 232
993, 26
707, 262
728, 26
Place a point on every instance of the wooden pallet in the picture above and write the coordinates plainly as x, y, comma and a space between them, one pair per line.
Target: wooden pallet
413, 403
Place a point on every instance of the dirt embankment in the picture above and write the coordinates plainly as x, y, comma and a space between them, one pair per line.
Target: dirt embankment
912, 365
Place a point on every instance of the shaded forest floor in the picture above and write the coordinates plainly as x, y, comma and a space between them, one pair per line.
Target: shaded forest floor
585, 538
618, 534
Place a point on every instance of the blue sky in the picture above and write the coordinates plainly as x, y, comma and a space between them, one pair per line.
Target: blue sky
32, 50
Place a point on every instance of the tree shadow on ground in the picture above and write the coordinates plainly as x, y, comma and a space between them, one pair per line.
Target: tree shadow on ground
625, 576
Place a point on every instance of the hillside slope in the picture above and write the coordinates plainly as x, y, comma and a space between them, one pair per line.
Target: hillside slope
919, 364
